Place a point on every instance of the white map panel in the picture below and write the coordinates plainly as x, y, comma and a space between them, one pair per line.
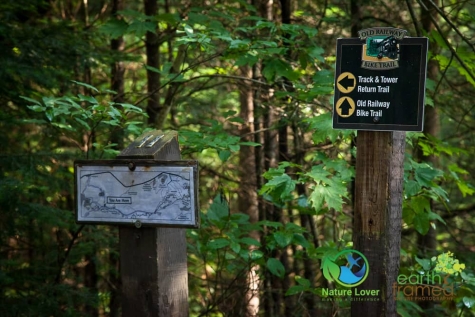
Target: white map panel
148, 194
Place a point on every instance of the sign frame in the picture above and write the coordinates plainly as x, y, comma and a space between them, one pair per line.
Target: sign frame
110, 205
344, 95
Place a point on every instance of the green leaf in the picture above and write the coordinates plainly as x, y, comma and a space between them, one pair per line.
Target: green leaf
302, 281
296, 289
188, 29
250, 241
469, 302
229, 256
277, 68
236, 247
131, 108
30, 100
114, 28
49, 114
219, 209
322, 126
425, 263
152, 69
299, 239
465, 189
434, 216
169, 18
224, 155
412, 188
267, 223
218, 243
280, 186
283, 238
85, 85
62, 126
326, 194
420, 204
83, 123
240, 218
275, 267
234, 147
318, 173
256, 255
246, 59
37, 108
141, 27
249, 143
425, 175
421, 222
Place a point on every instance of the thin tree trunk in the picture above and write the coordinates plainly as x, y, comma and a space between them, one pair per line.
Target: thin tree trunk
272, 212
272, 299
117, 72
152, 46
308, 265
247, 200
427, 244
117, 84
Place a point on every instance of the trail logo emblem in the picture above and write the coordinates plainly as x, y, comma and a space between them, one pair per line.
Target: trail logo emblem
381, 48
348, 268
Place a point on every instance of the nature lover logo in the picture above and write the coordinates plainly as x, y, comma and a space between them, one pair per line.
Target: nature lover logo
348, 268
351, 273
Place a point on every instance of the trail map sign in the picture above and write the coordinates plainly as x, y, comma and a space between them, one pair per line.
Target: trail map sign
380, 81
140, 191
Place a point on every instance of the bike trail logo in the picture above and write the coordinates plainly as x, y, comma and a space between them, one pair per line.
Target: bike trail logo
348, 268
381, 48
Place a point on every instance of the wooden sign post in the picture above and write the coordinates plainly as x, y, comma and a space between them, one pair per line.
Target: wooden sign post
378, 216
380, 91
153, 196
153, 261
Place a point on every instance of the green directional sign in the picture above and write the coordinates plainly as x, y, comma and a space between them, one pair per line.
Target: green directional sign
380, 81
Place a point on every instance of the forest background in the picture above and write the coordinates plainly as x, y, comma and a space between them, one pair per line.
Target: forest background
248, 85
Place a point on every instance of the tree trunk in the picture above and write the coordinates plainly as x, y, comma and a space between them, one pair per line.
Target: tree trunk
309, 266
117, 84
152, 46
117, 72
378, 216
247, 200
427, 244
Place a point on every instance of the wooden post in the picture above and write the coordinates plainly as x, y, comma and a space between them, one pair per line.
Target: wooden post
153, 261
378, 216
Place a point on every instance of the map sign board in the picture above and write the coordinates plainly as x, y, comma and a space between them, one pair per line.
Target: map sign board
140, 192
380, 81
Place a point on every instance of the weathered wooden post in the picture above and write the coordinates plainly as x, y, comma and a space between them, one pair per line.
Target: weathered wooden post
378, 216
152, 195
380, 90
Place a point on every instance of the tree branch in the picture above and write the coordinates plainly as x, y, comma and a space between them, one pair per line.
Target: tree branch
449, 46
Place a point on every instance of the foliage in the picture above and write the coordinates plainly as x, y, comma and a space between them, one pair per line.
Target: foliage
328, 179
83, 114
224, 256
249, 90
36, 208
